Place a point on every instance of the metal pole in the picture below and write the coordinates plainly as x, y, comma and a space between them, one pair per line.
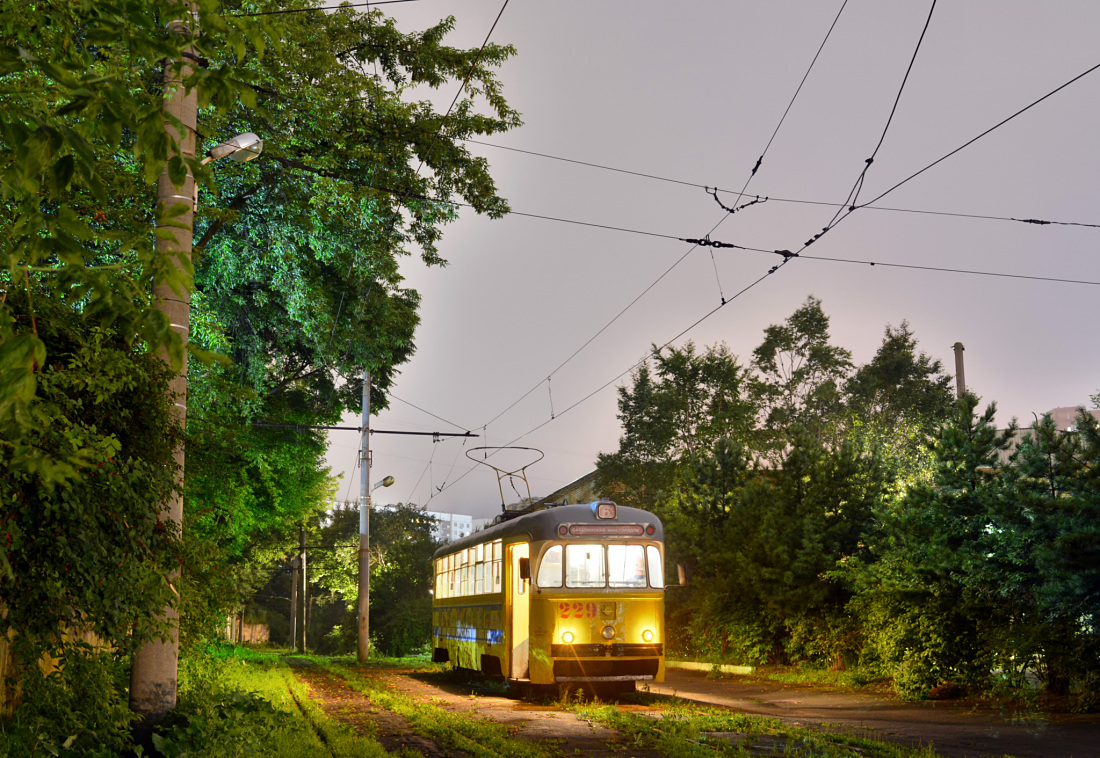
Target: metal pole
960, 375
363, 647
305, 588
155, 666
294, 603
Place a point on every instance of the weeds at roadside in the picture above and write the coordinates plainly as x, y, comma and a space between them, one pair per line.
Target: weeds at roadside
478, 737
681, 729
238, 701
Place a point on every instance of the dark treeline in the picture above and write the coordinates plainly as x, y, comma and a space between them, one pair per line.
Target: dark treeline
862, 518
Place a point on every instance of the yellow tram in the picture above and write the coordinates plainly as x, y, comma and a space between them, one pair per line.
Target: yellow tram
570, 593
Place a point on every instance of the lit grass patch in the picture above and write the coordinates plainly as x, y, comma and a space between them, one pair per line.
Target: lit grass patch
684, 729
239, 701
478, 737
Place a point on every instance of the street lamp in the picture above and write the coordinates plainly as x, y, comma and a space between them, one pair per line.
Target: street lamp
243, 147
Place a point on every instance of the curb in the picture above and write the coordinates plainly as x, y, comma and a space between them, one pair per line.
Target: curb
723, 668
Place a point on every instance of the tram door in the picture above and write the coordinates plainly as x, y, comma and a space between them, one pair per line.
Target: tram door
519, 597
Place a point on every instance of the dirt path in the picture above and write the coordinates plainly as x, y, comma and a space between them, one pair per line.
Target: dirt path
564, 732
958, 730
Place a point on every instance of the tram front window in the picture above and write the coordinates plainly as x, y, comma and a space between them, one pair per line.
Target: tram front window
626, 566
618, 566
584, 566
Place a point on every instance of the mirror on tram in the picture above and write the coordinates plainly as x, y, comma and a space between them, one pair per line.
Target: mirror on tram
682, 573
525, 568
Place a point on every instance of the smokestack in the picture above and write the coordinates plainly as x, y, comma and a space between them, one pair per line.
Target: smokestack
960, 375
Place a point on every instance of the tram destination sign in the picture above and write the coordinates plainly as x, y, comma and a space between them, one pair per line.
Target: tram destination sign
602, 530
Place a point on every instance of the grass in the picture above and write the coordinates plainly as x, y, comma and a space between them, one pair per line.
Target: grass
477, 737
241, 701
683, 729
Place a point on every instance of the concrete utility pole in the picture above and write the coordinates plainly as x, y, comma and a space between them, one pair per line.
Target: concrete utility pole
363, 646
294, 603
305, 585
960, 375
155, 667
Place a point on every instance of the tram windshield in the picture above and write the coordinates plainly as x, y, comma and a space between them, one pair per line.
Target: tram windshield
619, 566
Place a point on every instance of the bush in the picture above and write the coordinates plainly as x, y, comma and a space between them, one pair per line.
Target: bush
79, 709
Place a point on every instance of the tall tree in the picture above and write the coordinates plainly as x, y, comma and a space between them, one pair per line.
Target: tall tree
82, 139
763, 541
401, 548
694, 399
299, 250
931, 602
898, 402
799, 375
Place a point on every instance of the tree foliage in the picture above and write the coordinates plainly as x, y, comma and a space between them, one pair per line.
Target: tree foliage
82, 138
799, 375
87, 557
401, 548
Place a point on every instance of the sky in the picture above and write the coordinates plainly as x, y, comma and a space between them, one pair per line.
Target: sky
532, 317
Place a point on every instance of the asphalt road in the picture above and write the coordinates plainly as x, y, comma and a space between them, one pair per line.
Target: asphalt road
959, 730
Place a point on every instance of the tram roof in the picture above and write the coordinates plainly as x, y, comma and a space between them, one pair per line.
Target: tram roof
542, 525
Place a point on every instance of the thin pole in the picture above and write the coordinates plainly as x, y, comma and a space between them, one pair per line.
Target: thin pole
155, 666
305, 587
294, 603
363, 647
960, 375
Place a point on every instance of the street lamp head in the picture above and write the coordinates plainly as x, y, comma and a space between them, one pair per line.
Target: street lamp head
243, 147
384, 483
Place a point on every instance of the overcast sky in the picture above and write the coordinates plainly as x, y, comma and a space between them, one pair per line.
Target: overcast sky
693, 91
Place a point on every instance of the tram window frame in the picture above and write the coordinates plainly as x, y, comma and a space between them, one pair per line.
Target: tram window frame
585, 564
633, 554
656, 563
545, 579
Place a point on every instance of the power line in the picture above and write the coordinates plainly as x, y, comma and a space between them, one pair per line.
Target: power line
950, 270
648, 355
996, 126
788, 257
392, 396
694, 243
772, 198
853, 195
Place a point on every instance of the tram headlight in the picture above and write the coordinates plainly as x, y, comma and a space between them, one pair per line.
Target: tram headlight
567, 638
647, 635
608, 632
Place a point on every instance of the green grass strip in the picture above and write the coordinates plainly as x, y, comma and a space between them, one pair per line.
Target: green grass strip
686, 729
303, 729
478, 737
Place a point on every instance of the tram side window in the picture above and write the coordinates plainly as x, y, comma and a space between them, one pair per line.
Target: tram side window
498, 562
550, 568
626, 566
584, 566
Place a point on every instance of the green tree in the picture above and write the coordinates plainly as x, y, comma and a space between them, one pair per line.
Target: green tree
298, 251
800, 376
82, 138
933, 602
401, 548
694, 399
1049, 547
763, 541
901, 386
897, 403
86, 562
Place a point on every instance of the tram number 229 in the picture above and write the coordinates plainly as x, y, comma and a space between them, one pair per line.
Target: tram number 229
577, 610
